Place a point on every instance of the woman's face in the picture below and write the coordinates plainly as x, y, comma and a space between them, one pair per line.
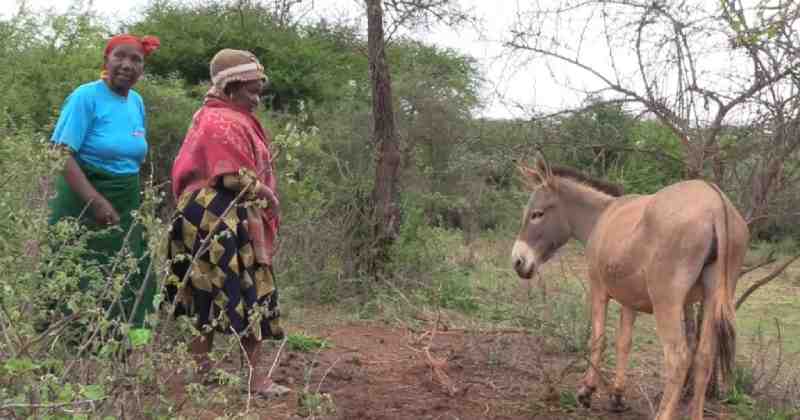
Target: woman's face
247, 95
125, 64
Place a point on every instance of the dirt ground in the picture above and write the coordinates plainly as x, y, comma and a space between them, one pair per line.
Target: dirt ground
375, 372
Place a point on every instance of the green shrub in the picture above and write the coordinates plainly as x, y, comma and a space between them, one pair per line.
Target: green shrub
303, 342
169, 113
45, 57
59, 345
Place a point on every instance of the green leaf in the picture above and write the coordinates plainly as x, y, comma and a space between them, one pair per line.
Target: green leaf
93, 392
66, 393
19, 366
139, 337
106, 350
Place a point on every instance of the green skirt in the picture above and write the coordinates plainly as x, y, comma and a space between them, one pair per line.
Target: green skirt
123, 192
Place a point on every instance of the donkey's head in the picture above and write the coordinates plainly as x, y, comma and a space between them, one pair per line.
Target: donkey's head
545, 227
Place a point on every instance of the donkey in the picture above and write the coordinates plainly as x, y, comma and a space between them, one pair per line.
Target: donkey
651, 253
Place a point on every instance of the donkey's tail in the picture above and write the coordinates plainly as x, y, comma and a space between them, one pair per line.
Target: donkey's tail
724, 312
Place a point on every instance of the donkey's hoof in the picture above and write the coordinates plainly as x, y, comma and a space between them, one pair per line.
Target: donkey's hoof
617, 404
585, 396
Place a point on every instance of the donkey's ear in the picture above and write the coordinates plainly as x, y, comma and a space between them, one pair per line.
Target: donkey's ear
532, 177
543, 167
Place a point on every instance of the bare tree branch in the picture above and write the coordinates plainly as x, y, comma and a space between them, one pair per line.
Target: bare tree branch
674, 74
769, 259
760, 283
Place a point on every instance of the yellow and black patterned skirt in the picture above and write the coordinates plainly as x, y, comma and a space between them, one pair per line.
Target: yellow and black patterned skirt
225, 288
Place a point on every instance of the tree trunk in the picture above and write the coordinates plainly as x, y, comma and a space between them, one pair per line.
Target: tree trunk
695, 157
385, 196
764, 179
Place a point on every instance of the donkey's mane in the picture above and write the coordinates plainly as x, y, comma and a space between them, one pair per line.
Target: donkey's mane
610, 188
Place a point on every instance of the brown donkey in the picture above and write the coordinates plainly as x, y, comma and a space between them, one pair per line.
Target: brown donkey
651, 253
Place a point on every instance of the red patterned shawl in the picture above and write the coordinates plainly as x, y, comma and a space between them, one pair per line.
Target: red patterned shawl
221, 140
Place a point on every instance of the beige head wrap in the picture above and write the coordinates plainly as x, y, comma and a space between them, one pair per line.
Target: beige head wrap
235, 66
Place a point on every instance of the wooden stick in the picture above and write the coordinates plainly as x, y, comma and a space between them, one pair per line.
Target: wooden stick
277, 357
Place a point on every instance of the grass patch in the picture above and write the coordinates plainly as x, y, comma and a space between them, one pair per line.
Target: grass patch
302, 342
453, 290
752, 411
568, 400
772, 313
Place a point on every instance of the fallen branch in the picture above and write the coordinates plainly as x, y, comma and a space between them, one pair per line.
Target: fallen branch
438, 366
437, 371
771, 276
49, 405
766, 261
752, 220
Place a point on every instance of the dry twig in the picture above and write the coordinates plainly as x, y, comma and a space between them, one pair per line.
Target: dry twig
438, 365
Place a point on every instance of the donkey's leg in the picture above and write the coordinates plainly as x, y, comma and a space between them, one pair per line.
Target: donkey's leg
703, 360
669, 326
599, 303
624, 337
707, 345
668, 285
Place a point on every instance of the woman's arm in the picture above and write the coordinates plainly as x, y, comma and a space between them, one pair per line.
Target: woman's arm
237, 182
234, 182
102, 210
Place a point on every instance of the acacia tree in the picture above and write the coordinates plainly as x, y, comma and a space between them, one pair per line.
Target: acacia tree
700, 68
723, 77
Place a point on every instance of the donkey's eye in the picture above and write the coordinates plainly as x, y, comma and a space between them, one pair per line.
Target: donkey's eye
536, 214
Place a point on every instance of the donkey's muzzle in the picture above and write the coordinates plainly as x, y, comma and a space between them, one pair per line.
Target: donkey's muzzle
523, 260
523, 269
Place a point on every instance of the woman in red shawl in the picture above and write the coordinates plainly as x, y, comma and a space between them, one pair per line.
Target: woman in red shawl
222, 240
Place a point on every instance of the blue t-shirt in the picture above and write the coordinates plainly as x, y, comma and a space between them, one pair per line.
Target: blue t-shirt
103, 129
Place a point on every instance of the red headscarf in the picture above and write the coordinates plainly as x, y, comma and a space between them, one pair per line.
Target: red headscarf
146, 44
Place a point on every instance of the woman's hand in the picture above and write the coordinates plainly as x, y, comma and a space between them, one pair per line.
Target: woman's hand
265, 192
103, 212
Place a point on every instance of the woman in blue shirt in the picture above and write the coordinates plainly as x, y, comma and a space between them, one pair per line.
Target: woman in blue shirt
102, 127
